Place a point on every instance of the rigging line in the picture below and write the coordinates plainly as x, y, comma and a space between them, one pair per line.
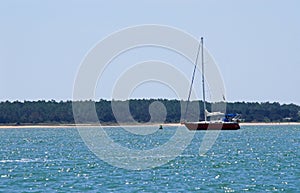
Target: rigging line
192, 81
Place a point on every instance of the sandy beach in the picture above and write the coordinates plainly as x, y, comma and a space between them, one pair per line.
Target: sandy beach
131, 125
85, 125
271, 123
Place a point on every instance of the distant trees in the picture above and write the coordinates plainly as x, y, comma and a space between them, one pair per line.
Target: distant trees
52, 112
36, 112
265, 112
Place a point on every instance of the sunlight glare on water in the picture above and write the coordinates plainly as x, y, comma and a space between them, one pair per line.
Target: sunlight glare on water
252, 159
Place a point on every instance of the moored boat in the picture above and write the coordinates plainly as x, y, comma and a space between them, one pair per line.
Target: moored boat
227, 122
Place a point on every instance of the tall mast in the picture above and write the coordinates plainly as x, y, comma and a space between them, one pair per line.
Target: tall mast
193, 77
203, 83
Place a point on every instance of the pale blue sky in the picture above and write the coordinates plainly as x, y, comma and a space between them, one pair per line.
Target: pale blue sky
256, 43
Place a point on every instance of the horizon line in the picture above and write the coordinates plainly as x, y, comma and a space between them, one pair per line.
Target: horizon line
98, 100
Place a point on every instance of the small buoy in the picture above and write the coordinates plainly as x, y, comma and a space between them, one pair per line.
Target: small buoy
160, 127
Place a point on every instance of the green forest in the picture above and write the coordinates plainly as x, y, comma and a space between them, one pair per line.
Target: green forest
53, 112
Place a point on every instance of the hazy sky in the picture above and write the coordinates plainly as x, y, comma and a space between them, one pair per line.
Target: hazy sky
256, 43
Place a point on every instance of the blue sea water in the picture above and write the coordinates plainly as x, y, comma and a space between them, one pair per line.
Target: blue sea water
252, 159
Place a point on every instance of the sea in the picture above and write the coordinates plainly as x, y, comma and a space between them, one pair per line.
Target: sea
252, 159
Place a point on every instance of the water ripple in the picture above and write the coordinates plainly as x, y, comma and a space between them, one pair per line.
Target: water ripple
254, 159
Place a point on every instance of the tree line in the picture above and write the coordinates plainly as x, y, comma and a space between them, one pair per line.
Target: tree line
140, 110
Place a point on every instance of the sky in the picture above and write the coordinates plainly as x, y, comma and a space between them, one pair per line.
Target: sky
255, 44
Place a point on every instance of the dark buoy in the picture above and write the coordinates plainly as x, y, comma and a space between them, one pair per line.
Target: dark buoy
160, 127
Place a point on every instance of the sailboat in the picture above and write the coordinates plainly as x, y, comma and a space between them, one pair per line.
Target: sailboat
228, 122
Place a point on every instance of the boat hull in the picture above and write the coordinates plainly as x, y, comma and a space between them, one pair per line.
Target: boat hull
212, 126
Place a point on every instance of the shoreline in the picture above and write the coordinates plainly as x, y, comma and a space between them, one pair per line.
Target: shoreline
85, 125
131, 125
269, 124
